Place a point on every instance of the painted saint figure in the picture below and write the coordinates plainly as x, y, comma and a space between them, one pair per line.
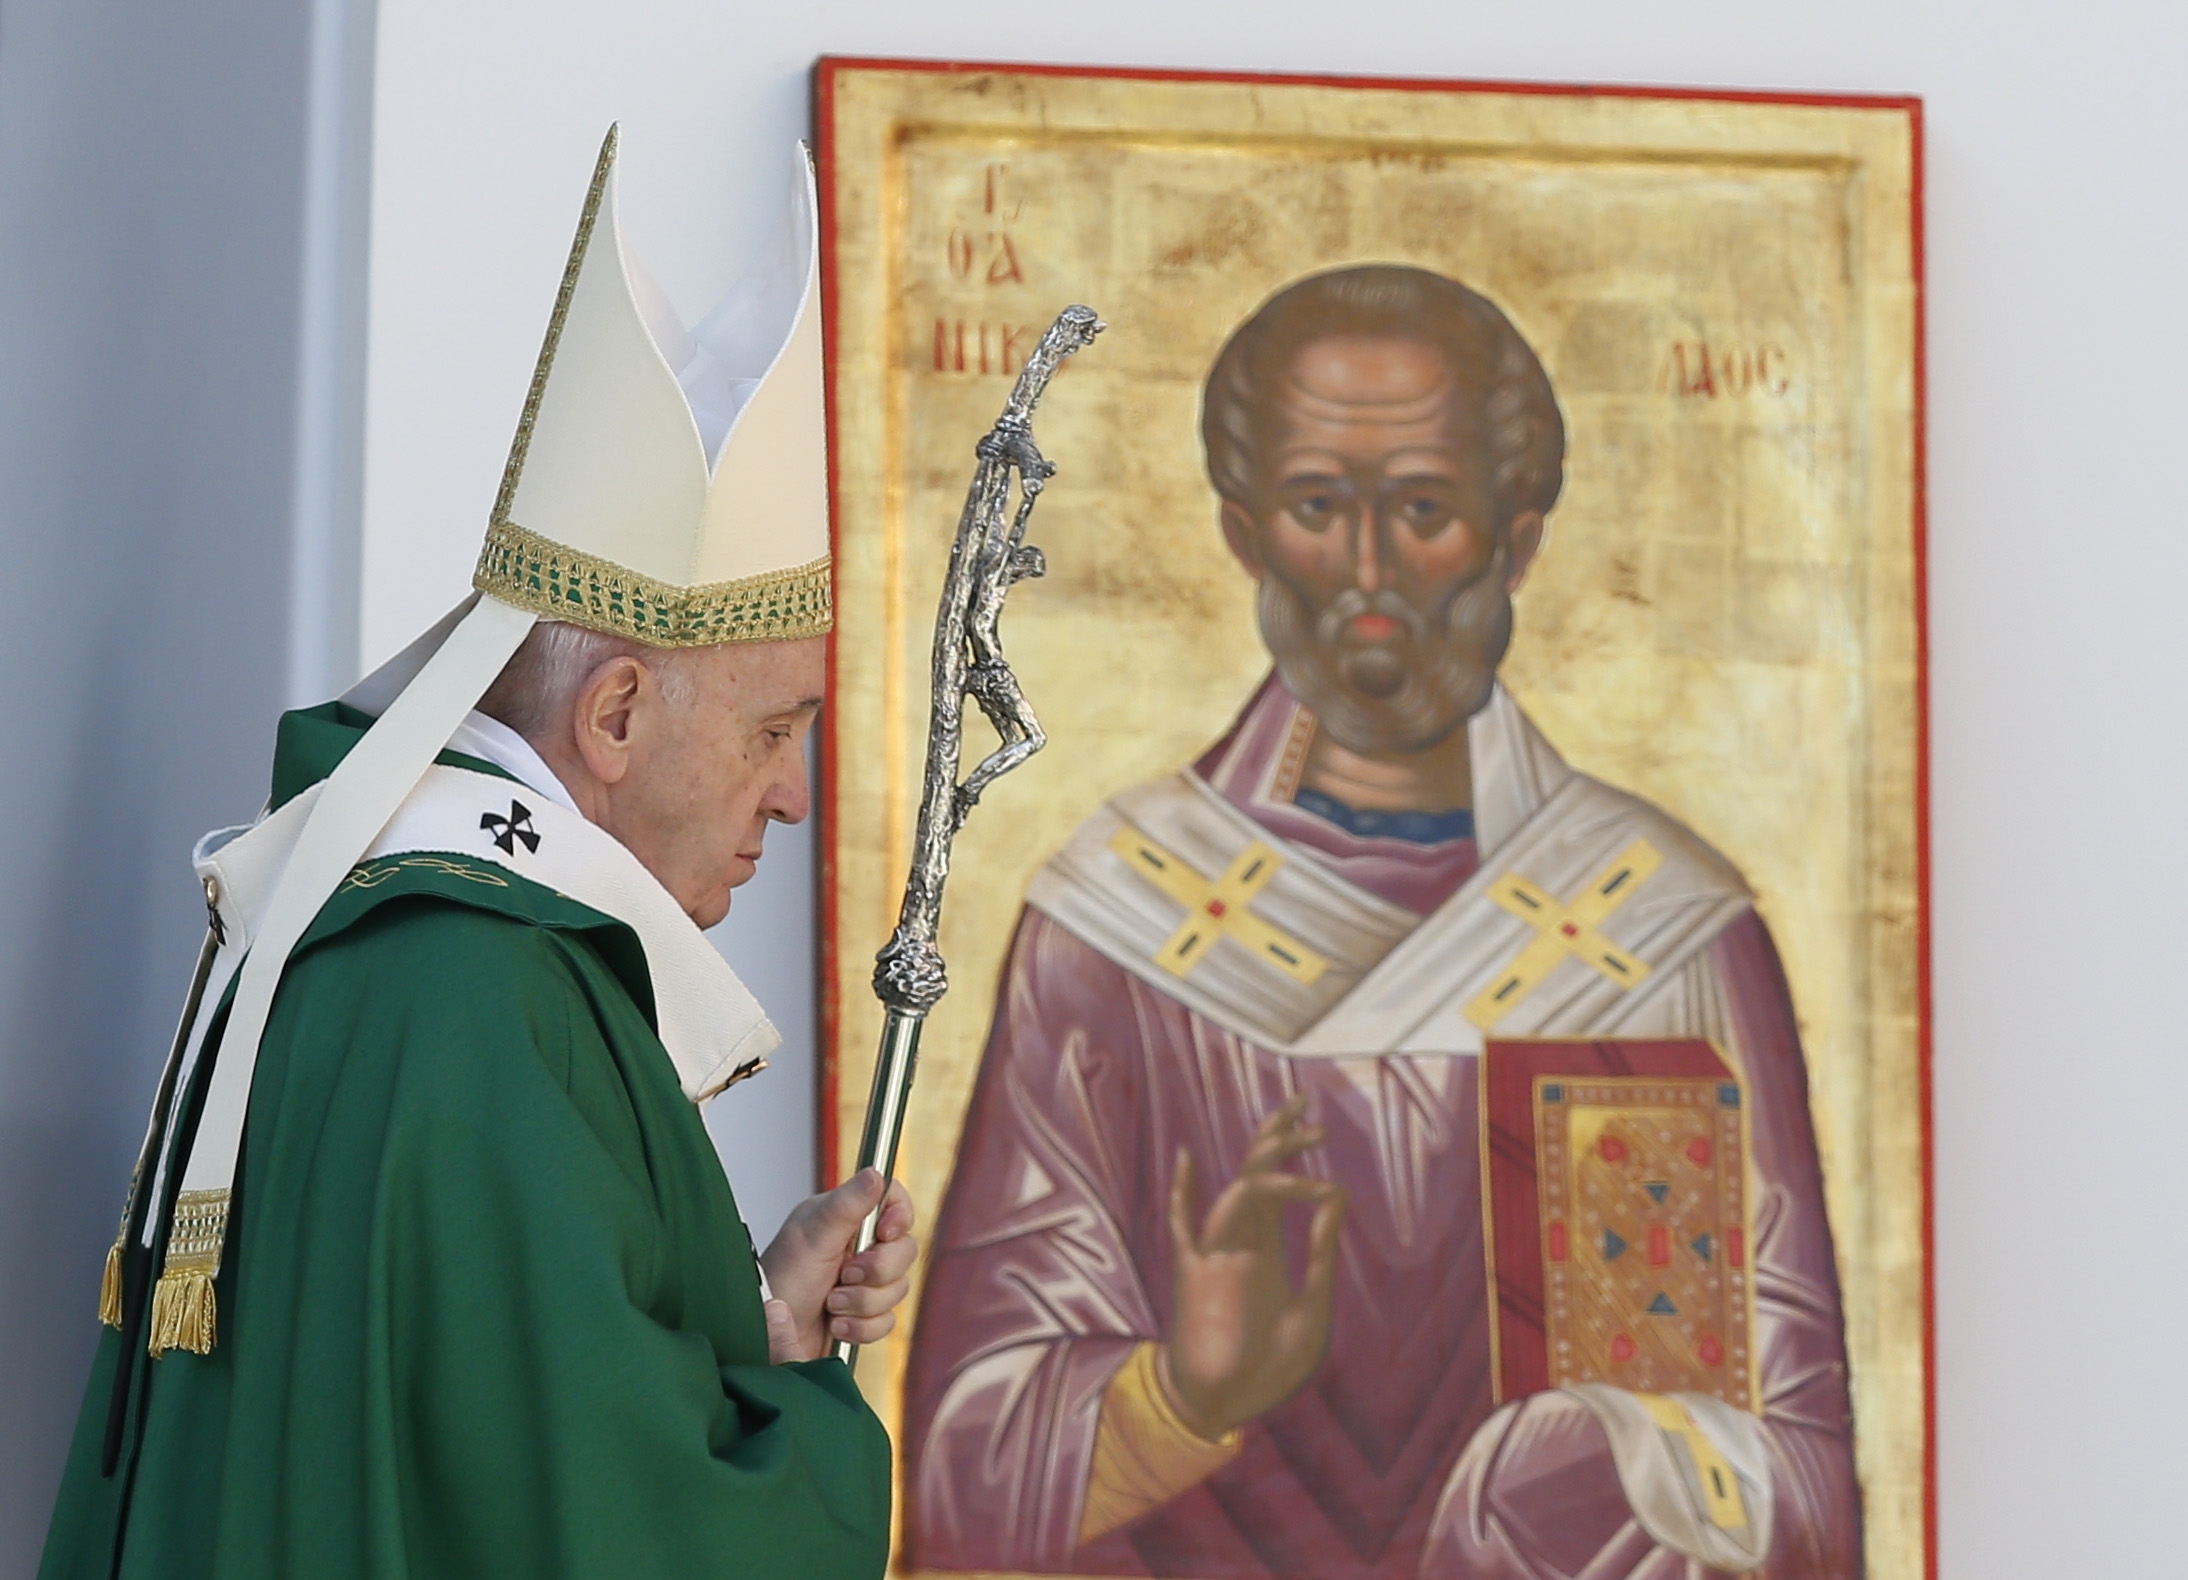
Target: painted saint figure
1210, 1292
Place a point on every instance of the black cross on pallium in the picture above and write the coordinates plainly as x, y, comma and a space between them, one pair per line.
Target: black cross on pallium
508, 830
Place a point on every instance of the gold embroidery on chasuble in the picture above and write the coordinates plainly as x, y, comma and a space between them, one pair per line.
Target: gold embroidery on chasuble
370, 875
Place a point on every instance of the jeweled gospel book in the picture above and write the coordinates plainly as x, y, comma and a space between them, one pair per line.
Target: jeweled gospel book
1618, 1217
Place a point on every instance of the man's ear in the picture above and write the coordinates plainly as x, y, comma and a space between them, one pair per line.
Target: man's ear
1243, 537
1524, 536
602, 718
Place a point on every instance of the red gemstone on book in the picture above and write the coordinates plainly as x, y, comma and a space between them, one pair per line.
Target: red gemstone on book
1698, 1152
1711, 1349
1217, 907
1622, 1348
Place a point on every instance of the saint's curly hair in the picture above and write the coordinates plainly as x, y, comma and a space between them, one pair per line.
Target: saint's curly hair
1513, 412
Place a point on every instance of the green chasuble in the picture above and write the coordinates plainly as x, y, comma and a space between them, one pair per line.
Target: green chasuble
488, 1308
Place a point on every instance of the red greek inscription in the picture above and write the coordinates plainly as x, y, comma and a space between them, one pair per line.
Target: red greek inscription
1703, 370
968, 345
1003, 266
1000, 201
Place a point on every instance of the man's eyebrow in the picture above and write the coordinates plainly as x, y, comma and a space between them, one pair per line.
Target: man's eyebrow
810, 704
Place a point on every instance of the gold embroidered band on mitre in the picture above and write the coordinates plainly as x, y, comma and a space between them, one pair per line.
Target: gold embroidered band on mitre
556, 583
182, 1301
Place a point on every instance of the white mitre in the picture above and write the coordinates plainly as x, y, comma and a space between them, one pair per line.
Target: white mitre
665, 485
610, 514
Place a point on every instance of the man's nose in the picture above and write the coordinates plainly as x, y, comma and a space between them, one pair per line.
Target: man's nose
790, 797
1368, 555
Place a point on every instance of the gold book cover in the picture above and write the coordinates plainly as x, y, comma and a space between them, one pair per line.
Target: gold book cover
1617, 1217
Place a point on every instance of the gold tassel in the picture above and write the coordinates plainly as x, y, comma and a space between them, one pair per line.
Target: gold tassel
110, 1287
182, 1313
182, 1302
110, 1282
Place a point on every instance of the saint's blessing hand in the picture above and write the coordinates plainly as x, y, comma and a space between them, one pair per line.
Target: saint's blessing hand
1243, 1339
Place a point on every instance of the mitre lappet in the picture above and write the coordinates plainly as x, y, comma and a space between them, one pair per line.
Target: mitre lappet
665, 485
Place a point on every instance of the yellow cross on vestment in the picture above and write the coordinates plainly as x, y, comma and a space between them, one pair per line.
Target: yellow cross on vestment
1562, 930
1218, 909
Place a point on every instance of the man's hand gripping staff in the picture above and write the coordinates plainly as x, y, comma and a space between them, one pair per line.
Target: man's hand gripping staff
990, 556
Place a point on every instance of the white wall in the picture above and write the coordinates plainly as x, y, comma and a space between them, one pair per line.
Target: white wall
154, 400
2057, 139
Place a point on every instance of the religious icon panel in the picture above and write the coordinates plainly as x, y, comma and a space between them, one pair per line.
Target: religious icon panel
1433, 1082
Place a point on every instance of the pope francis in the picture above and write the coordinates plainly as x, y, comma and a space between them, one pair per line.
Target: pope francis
428, 1267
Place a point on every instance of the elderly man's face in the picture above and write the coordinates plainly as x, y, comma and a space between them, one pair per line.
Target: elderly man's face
1385, 578
688, 776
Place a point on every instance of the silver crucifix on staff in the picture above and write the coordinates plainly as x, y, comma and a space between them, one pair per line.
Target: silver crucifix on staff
991, 554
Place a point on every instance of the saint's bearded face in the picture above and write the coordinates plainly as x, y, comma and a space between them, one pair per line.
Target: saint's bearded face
1386, 570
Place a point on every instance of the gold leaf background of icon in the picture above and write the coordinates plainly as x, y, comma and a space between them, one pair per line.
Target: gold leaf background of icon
1724, 620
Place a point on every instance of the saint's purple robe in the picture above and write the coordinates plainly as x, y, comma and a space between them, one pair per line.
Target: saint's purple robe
1052, 1260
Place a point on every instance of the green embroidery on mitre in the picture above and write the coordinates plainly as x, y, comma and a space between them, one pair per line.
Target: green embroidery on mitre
522, 568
